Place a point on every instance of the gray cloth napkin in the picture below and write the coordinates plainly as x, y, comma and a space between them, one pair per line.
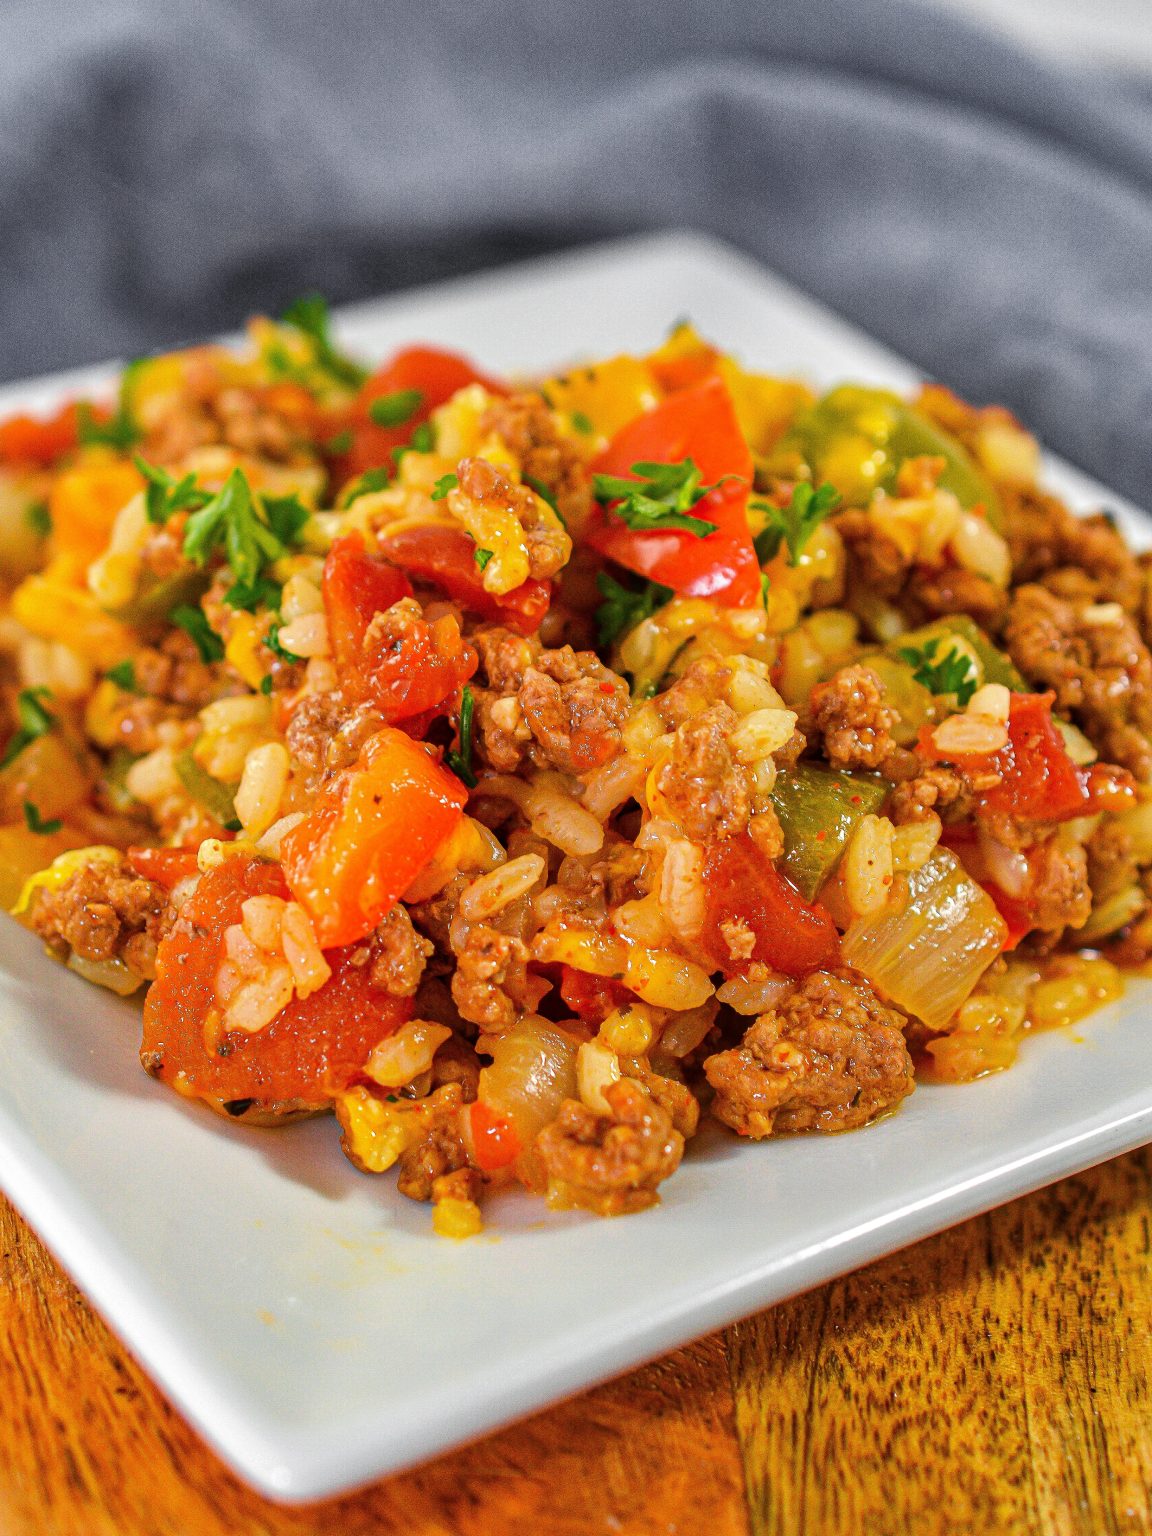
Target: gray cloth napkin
166, 169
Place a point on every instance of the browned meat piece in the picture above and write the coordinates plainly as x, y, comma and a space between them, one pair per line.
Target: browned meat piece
105, 911
610, 1164
1100, 668
878, 563
325, 735
703, 786
434, 916
398, 954
1060, 892
1112, 862
829, 1057
528, 428
677, 1098
210, 408
563, 708
491, 975
575, 708
438, 1148
173, 671
850, 713
1074, 556
952, 589
547, 544
937, 790
456, 1062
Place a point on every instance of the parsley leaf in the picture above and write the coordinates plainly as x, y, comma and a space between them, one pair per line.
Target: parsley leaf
33, 720
582, 423
123, 674
371, 480
339, 442
163, 495
445, 484
309, 315
395, 409
118, 431
482, 557
39, 518
423, 440
272, 641
547, 497
460, 759
953, 672
250, 533
623, 608
794, 524
194, 624
659, 499
36, 822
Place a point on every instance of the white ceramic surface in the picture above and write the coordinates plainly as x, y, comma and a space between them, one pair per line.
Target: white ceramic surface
302, 1315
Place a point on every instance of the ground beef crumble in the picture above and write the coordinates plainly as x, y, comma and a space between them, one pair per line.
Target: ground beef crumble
612, 1163
703, 786
829, 1057
105, 911
437, 1149
850, 713
1093, 658
528, 429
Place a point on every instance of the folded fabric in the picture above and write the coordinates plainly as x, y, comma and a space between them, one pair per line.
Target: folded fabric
166, 169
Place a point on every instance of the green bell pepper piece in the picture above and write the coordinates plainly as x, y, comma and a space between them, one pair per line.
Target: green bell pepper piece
819, 810
215, 797
856, 439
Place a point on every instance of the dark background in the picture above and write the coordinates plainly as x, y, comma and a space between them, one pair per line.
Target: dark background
167, 169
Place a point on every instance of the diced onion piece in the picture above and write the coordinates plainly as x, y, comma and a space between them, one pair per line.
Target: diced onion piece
927, 951
533, 1071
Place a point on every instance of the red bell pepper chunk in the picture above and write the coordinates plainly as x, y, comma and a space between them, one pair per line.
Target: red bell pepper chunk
375, 827
164, 866
700, 424
744, 886
592, 998
312, 1048
1039, 781
446, 558
38, 441
433, 373
356, 588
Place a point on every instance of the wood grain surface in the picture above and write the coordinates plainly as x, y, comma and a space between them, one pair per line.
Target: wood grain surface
994, 1379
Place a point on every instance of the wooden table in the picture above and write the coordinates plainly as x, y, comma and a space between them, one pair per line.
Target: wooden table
992, 1380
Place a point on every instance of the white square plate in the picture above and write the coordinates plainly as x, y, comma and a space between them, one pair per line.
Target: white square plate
303, 1316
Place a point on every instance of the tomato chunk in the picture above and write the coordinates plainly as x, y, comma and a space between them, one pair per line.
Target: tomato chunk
313, 1048
356, 588
434, 374
744, 886
165, 866
700, 424
38, 441
374, 829
494, 1138
446, 557
1039, 781
592, 998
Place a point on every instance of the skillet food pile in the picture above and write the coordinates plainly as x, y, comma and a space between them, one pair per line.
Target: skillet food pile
523, 770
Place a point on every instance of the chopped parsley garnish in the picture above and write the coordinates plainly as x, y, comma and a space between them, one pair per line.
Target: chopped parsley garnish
194, 624
395, 409
423, 440
33, 721
460, 758
482, 557
371, 480
765, 585
123, 674
445, 484
36, 822
266, 684
118, 431
661, 498
39, 518
272, 641
340, 442
250, 534
309, 315
794, 524
581, 423
164, 496
546, 497
623, 608
953, 672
